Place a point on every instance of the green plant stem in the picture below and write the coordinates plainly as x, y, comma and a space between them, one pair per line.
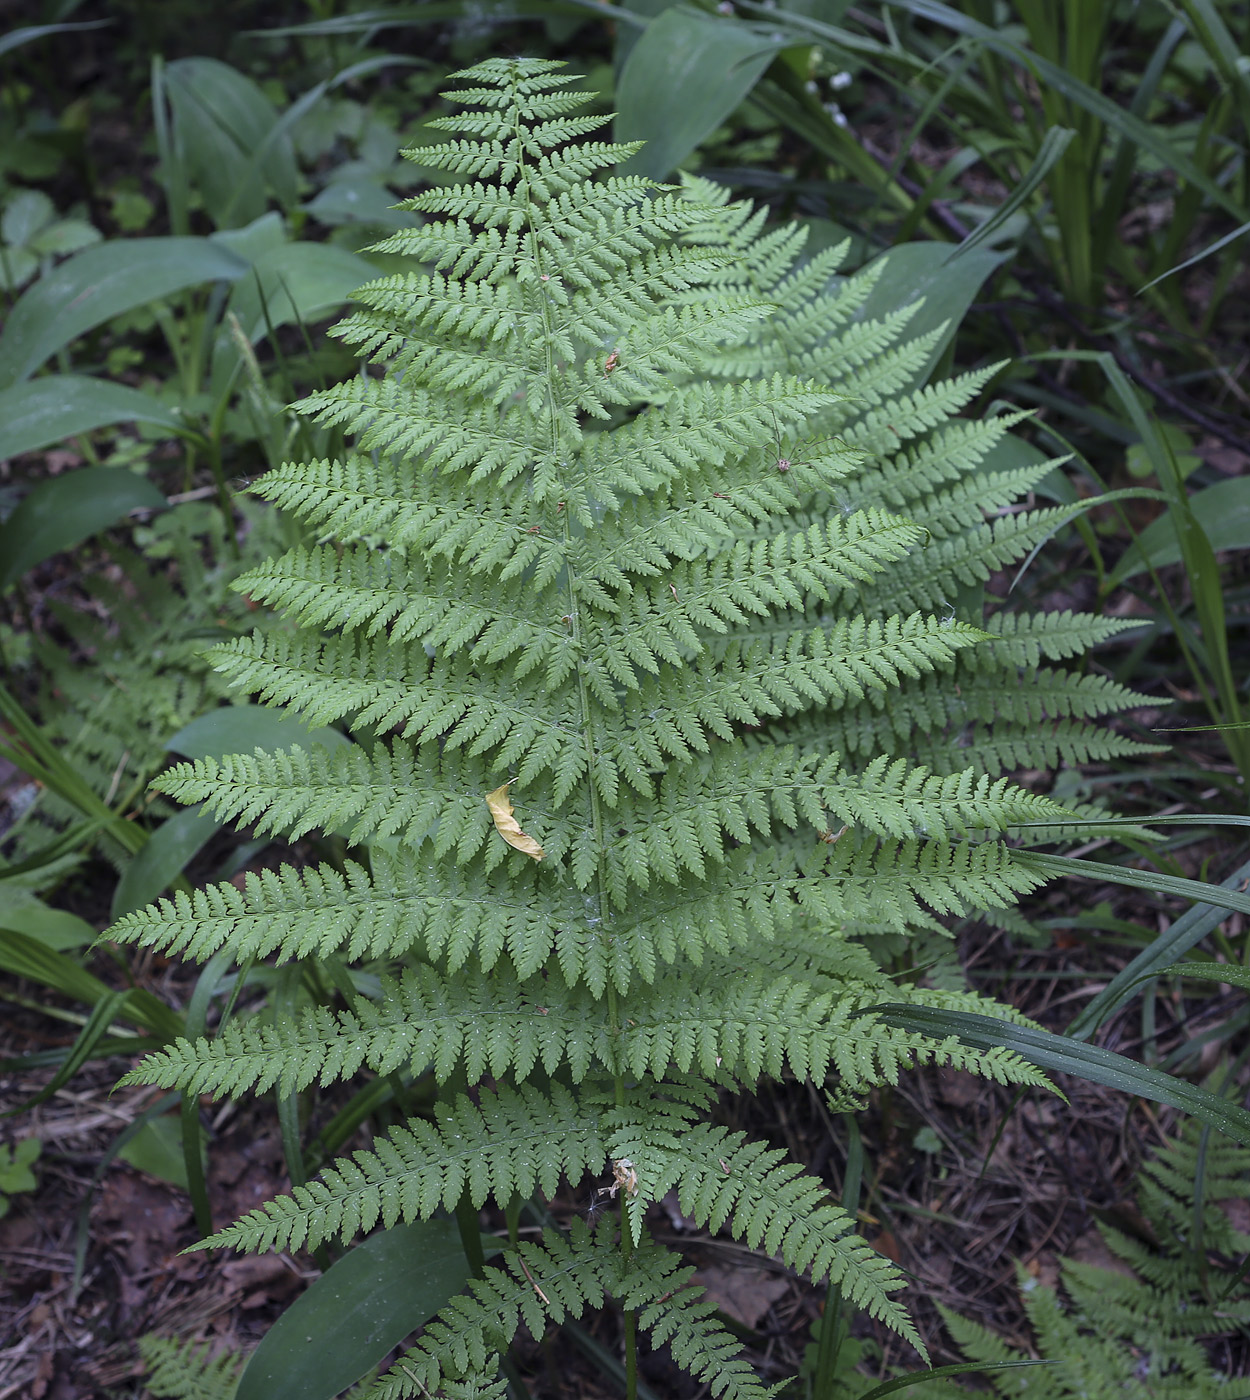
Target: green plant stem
631, 1348
589, 737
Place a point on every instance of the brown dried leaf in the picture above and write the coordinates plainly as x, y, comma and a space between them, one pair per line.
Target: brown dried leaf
744, 1294
507, 825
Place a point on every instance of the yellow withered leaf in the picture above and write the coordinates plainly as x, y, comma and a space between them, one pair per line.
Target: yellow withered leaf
507, 825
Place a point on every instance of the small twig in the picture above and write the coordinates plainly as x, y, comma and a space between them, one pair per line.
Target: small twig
413, 1377
533, 1285
201, 493
115, 781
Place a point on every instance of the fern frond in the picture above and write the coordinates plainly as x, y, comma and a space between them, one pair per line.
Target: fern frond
677, 1314
647, 526
1023, 640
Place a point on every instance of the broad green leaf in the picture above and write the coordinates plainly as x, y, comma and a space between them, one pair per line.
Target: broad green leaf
642, 13
358, 199
65, 236
99, 283
25, 213
365, 1303
254, 240
157, 1149
162, 859
17, 267
57, 929
65, 510
15, 1164
1057, 1054
225, 126
42, 411
299, 282
1223, 512
244, 728
684, 76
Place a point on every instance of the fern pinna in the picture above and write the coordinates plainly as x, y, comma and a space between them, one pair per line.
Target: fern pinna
632, 684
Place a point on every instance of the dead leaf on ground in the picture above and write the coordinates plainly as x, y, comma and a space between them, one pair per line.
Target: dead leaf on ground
959, 1088
1092, 1249
743, 1294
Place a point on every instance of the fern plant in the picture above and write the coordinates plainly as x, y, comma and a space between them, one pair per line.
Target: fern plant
633, 682
1138, 1332
182, 1369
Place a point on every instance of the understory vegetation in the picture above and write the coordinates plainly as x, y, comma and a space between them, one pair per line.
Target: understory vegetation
623, 723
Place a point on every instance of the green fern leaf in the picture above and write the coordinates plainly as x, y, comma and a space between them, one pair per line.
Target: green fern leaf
646, 526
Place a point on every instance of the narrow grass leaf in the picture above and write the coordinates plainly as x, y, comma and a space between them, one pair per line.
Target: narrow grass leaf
1152, 880
1197, 257
111, 1005
1055, 142
1185, 933
17, 37
1059, 80
1059, 1055
968, 1369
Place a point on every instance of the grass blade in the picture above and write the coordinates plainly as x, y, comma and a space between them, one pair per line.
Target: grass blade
1057, 79
1185, 933
1060, 1055
1057, 140
1152, 880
